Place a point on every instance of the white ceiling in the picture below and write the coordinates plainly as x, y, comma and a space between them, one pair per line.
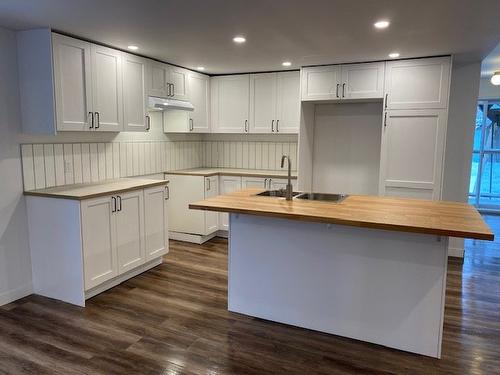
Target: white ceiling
491, 63
307, 32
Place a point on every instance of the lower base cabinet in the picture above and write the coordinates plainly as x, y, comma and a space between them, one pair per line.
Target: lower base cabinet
81, 248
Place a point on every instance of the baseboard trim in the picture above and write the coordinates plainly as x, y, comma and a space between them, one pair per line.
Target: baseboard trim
456, 252
15, 294
193, 238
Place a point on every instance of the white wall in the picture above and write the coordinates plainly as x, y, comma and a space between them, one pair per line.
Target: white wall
487, 90
15, 263
459, 137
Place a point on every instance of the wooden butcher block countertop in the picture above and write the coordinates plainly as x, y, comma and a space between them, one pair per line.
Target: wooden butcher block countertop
232, 172
98, 189
397, 214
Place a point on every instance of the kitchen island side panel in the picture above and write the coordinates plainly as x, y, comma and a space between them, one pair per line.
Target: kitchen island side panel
372, 285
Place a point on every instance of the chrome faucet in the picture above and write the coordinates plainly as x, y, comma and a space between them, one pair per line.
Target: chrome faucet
289, 187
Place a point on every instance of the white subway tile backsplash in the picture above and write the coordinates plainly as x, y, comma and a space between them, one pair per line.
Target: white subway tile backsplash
47, 165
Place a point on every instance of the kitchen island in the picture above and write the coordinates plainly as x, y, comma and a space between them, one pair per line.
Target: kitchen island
369, 268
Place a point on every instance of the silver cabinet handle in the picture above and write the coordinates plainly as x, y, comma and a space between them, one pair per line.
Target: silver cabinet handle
277, 126
386, 97
343, 90
191, 124
167, 193
337, 91
270, 182
208, 184
169, 89
246, 126
113, 205
91, 120
97, 120
272, 125
385, 119
173, 89
265, 183
120, 202
148, 123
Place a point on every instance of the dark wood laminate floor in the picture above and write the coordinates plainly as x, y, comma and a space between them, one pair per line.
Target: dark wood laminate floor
173, 320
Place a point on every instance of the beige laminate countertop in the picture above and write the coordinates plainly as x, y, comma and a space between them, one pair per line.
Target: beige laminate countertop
397, 214
98, 189
205, 172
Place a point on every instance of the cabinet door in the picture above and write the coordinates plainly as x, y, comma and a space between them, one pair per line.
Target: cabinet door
230, 107
321, 82
254, 182
130, 230
280, 183
72, 83
412, 153
288, 102
175, 121
227, 184
179, 80
182, 191
98, 238
199, 86
363, 81
158, 79
211, 218
263, 103
419, 83
134, 93
155, 235
107, 85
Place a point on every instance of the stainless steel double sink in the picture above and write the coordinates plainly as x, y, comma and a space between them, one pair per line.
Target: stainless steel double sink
305, 196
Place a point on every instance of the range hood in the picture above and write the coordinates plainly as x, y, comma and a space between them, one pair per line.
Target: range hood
163, 104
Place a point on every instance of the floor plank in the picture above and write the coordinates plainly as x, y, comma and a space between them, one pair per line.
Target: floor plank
173, 320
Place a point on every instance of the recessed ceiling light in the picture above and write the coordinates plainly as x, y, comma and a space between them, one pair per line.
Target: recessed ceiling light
239, 39
381, 24
495, 79
394, 55
286, 63
200, 68
133, 48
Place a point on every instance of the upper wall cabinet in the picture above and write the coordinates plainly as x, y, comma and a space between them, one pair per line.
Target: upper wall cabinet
107, 85
418, 83
79, 86
274, 102
168, 81
199, 93
321, 82
340, 82
230, 103
135, 73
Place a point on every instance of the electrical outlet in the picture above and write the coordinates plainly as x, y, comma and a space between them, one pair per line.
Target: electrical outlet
68, 168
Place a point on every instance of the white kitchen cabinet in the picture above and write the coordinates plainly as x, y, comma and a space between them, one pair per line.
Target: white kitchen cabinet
199, 93
72, 82
176, 121
412, 153
227, 184
155, 221
363, 81
417, 83
107, 85
275, 102
135, 78
184, 190
263, 103
340, 82
158, 79
254, 182
100, 261
96, 243
230, 97
211, 190
288, 102
129, 216
321, 82
179, 83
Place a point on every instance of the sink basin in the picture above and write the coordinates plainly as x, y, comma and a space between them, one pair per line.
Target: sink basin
276, 193
322, 197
